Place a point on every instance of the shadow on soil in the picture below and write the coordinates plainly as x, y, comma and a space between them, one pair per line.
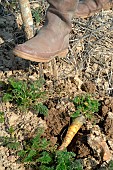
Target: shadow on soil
10, 36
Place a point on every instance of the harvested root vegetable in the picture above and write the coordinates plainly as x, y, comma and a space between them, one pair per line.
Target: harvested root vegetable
72, 130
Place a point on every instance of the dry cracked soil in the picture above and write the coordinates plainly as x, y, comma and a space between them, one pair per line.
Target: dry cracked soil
87, 68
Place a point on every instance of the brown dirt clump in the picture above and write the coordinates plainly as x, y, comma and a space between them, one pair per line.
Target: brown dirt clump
87, 68
108, 125
56, 120
89, 87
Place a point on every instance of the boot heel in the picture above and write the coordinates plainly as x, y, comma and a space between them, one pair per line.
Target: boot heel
62, 54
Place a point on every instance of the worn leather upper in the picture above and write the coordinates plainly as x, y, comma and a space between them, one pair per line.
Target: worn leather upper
87, 8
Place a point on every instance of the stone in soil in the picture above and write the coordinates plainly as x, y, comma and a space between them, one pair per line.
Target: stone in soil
108, 126
89, 87
97, 141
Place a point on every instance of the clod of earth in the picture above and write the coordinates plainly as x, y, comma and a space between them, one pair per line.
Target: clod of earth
97, 141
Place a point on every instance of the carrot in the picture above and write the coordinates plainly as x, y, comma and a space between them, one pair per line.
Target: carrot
72, 130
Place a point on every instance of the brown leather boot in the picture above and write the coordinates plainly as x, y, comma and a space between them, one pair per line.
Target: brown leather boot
87, 8
53, 38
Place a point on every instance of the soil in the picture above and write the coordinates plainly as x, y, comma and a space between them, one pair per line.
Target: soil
87, 68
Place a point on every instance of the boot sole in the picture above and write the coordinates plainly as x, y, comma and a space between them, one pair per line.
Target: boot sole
26, 56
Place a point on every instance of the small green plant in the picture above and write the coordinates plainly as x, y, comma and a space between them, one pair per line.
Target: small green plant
40, 108
33, 147
66, 161
85, 105
1, 117
39, 152
110, 167
37, 14
11, 131
25, 94
9, 142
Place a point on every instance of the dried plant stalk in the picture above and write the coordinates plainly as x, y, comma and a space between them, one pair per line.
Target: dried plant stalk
54, 68
27, 18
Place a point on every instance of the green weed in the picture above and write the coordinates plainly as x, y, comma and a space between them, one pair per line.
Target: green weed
33, 147
1, 117
37, 14
38, 151
25, 94
85, 105
110, 167
9, 142
66, 161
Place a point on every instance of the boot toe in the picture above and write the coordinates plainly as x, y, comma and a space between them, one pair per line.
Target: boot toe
25, 52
